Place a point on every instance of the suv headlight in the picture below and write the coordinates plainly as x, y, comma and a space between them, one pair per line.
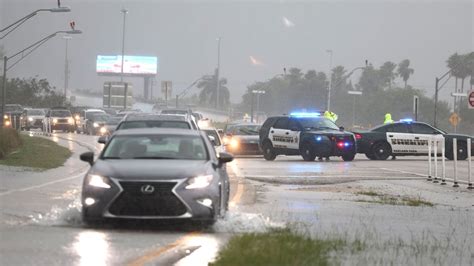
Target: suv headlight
30, 119
70, 121
95, 124
201, 181
97, 181
55, 120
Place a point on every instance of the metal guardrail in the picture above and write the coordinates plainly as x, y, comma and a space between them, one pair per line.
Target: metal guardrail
433, 162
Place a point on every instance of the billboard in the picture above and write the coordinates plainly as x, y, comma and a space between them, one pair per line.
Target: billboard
132, 65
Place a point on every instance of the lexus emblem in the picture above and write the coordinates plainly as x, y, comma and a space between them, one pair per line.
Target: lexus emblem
147, 189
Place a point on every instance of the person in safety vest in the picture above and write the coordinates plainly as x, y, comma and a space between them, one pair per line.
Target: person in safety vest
331, 116
388, 119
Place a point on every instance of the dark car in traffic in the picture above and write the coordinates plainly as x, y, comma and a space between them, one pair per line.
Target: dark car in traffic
305, 134
96, 122
12, 115
408, 138
242, 139
156, 174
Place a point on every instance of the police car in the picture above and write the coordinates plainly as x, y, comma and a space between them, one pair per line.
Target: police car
407, 137
305, 134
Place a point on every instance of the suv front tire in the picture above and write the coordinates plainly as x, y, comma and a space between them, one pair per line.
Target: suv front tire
268, 151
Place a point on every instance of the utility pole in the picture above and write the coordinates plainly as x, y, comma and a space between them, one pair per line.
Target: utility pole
66, 66
328, 105
124, 11
218, 71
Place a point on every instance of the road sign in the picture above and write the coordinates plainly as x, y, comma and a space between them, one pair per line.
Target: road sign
454, 119
470, 99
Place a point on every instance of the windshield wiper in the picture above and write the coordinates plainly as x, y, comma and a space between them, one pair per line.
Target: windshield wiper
153, 157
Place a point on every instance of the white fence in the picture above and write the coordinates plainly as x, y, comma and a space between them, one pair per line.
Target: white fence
433, 161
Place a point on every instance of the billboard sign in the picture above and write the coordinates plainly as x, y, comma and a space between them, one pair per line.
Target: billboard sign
132, 65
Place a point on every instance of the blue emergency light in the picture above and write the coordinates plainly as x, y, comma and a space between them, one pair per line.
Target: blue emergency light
318, 138
302, 114
406, 120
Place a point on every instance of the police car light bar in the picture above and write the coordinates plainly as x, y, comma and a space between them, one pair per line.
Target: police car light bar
406, 120
301, 114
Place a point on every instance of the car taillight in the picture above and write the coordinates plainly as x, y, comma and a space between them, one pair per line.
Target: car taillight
358, 136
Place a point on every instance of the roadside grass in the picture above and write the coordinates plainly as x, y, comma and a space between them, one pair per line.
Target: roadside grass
393, 200
282, 247
36, 152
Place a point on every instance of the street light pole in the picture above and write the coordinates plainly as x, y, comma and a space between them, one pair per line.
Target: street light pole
328, 105
437, 89
124, 11
22, 20
354, 94
218, 71
66, 66
32, 48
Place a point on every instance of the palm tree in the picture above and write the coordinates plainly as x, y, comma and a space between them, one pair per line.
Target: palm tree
208, 94
387, 73
405, 71
454, 62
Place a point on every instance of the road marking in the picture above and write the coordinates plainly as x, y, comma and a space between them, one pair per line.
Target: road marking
153, 255
43, 185
404, 172
156, 253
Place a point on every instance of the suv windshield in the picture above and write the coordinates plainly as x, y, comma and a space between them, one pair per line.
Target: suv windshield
100, 117
151, 124
174, 112
173, 147
35, 112
60, 113
316, 124
13, 108
245, 130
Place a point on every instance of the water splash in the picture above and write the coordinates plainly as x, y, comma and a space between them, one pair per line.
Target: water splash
240, 222
60, 216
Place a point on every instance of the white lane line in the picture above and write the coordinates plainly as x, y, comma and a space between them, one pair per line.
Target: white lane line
42, 185
404, 172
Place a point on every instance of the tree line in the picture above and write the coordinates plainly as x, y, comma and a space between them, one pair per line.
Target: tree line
298, 90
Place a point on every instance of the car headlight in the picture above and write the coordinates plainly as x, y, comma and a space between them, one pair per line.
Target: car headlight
7, 123
70, 120
95, 125
5, 117
201, 181
55, 121
30, 119
77, 117
97, 181
103, 130
234, 144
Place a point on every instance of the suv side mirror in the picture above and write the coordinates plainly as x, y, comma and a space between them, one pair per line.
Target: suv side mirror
88, 157
103, 139
225, 157
213, 140
341, 128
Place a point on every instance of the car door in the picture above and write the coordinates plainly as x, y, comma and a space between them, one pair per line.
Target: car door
423, 133
279, 133
294, 132
400, 139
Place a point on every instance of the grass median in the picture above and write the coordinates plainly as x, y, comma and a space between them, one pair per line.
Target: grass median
281, 247
36, 152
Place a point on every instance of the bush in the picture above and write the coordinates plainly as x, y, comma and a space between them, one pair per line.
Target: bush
9, 141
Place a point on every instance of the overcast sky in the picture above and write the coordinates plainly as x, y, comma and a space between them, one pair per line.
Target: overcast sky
182, 34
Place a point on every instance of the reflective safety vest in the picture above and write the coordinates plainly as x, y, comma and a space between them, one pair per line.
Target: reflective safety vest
388, 119
331, 116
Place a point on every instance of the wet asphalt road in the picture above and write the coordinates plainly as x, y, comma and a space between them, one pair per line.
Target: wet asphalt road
40, 211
